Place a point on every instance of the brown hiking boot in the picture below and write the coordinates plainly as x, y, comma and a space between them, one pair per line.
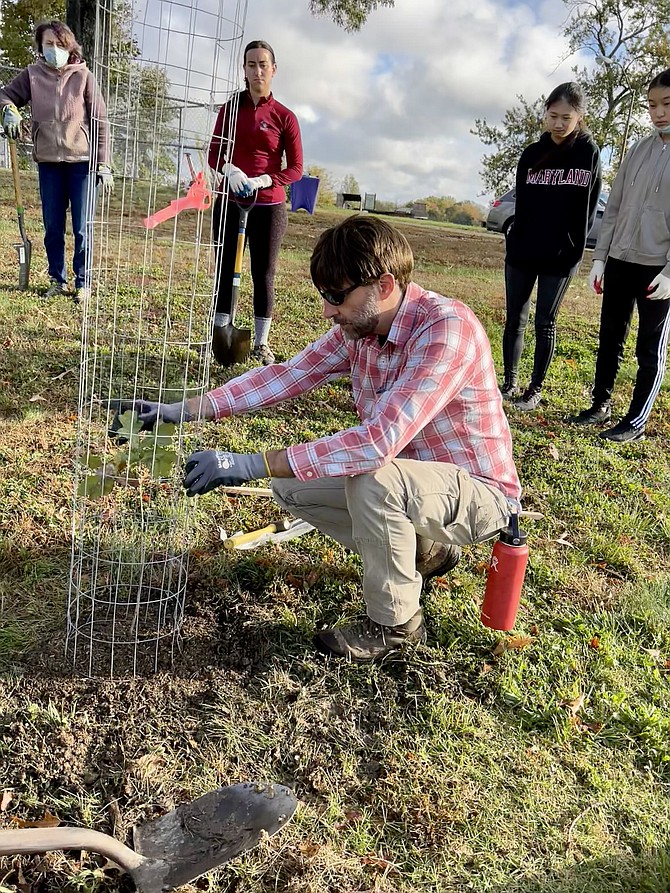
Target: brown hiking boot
367, 641
437, 560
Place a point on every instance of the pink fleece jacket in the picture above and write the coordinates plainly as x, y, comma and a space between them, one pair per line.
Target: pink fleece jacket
64, 103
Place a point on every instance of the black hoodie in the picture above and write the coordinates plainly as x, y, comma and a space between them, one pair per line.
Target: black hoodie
557, 189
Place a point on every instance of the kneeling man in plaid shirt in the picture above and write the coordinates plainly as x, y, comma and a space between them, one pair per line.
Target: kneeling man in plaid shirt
429, 466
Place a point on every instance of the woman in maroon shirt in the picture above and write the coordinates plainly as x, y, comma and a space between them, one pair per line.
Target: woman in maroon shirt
248, 148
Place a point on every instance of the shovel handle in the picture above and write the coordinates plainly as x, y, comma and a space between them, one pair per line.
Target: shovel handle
27, 841
15, 176
234, 541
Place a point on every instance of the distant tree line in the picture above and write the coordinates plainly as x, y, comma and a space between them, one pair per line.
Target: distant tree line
444, 207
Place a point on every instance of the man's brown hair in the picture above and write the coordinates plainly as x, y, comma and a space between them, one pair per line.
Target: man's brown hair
358, 251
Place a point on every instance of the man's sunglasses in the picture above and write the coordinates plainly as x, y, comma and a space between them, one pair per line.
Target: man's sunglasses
336, 298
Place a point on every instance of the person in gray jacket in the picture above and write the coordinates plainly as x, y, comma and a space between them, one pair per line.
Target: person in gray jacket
631, 266
69, 130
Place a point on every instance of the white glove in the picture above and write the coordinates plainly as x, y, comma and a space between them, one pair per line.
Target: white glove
659, 288
261, 182
105, 179
596, 276
238, 182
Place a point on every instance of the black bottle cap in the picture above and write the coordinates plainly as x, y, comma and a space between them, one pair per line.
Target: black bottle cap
512, 537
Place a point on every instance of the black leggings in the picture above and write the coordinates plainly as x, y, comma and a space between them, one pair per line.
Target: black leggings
550, 292
266, 225
624, 287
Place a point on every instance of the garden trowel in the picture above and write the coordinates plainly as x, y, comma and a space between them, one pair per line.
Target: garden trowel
180, 846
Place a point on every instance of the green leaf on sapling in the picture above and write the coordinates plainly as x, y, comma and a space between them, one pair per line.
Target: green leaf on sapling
92, 462
130, 424
164, 433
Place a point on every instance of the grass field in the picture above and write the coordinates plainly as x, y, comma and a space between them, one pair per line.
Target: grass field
533, 763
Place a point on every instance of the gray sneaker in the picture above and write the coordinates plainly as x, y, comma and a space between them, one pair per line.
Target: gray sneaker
529, 400
509, 390
262, 353
367, 641
55, 289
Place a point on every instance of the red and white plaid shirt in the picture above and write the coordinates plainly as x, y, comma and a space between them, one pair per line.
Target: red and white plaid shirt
428, 393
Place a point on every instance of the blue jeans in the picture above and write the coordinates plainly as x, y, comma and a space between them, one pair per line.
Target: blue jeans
63, 184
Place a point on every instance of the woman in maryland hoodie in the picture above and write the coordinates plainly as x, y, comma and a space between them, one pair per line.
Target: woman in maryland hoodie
631, 266
69, 127
558, 182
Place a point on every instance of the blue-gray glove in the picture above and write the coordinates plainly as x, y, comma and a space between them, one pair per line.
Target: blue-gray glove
208, 469
11, 122
149, 413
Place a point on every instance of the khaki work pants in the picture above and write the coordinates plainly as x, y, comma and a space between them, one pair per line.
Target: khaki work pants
380, 514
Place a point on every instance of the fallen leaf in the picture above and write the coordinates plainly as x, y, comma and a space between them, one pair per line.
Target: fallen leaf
575, 705
378, 863
595, 642
535, 630
37, 397
592, 726
482, 567
47, 821
308, 848
7, 797
553, 452
516, 643
7, 342
353, 815
486, 668
500, 648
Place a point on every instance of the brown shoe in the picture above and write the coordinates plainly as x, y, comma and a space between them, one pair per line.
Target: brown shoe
437, 561
367, 641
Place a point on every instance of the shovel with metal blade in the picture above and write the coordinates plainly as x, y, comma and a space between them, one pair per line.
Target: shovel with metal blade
181, 845
231, 345
25, 247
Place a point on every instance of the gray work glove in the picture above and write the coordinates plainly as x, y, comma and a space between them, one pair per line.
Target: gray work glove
149, 413
208, 469
105, 179
11, 122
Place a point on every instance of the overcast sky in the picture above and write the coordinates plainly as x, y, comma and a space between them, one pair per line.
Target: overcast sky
394, 103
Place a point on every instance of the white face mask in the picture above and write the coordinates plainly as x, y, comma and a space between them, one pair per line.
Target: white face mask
665, 129
56, 57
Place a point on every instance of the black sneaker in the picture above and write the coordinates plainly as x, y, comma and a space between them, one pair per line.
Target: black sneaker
262, 353
529, 400
623, 432
509, 390
437, 561
367, 641
597, 414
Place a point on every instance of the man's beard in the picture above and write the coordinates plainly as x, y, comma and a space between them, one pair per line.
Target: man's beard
362, 324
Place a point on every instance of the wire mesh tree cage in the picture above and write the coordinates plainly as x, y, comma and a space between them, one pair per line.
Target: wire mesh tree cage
164, 68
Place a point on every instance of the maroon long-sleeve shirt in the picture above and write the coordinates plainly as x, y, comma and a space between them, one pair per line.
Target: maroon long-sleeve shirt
264, 133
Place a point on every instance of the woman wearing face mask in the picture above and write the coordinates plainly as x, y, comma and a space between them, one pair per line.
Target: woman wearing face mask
558, 182
64, 99
631, 266
264, 132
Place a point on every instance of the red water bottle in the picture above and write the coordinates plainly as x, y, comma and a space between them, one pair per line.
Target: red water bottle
505, 577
